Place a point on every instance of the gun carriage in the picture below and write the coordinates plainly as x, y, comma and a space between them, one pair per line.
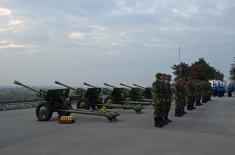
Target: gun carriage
147, 93
92, 98
55, 100
136, 95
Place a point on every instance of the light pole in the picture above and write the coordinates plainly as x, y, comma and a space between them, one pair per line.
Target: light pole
180, 60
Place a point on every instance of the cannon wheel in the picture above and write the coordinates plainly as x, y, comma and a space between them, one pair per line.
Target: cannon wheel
44, 112
109, 101
100, 101
82, 104
62, 113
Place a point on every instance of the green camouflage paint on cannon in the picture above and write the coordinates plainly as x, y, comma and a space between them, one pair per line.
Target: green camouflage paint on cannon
102, 102
55, 101
118, 97
136, 94
147, 93
83, 98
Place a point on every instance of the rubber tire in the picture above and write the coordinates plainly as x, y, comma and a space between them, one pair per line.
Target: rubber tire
108, 101
49, 112
87, 107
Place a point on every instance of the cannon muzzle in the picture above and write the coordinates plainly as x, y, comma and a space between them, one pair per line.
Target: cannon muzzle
139, 86
126, 85
18, 83
87, 84
75, 89
109, 85
59, 83
41, 93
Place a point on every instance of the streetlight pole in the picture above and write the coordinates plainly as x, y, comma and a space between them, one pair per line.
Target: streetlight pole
180, 60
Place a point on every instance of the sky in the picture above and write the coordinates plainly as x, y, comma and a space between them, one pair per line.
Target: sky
113, 41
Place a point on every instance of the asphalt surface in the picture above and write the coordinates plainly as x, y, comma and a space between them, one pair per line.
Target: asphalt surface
210, 129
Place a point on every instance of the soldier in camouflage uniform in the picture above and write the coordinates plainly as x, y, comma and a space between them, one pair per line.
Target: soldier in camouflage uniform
158, 100
184, 82
204, 92
198, 92
168, 98
180, 97
190, 94
210, 90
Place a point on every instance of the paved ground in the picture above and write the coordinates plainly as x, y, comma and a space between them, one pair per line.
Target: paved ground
210, 129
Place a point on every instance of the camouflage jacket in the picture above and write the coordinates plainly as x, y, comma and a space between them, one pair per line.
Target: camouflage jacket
191, 88
158, 90
179, 89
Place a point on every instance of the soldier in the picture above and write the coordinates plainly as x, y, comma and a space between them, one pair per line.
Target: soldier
210, 90
204, 92
180, 97
198, 92
158, 91
168, 99
184, 104
190, 94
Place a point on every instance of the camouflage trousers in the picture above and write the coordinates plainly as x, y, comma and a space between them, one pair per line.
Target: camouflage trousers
191, 101
167, 106
204, 97
180, 102
198, 99
158, 106
209, 96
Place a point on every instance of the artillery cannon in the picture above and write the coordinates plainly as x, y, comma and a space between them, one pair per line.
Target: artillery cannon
139, 86
55, 101
87, 84
147, 93
136, 94
82, 103
78, 91
119, 96
99, 102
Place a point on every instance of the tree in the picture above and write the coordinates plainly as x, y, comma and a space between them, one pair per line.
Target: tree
202, 70
181, 70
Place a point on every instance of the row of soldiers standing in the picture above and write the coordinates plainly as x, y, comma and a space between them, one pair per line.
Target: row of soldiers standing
162, 98
187, 92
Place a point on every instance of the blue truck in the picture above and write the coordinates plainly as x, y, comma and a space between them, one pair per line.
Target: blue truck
219, 88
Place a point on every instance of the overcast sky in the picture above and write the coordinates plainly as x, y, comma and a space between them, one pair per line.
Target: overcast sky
111, 40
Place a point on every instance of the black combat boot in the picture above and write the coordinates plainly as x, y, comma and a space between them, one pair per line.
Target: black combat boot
161, 120
177, 113
181, 112
166, 119
198, 104
189, 108
157, 123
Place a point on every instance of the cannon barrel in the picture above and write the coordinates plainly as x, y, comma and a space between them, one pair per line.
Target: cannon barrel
39, 92
75, 89
138, 86
109, 85
87, 84
126, 85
